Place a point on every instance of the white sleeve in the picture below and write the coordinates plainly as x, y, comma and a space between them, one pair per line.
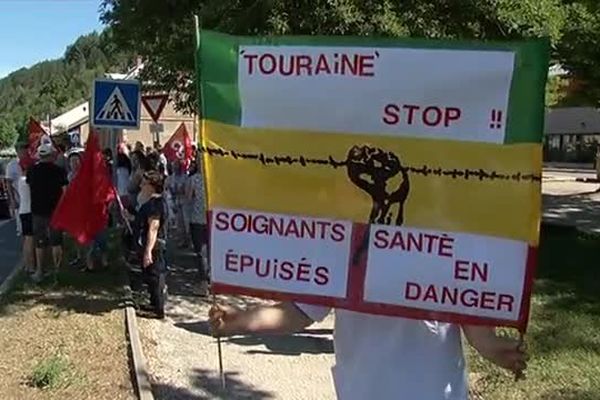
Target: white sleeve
12, 171
316, 313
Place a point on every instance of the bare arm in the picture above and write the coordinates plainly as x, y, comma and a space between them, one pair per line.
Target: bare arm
281, 318
503, 351
153, 225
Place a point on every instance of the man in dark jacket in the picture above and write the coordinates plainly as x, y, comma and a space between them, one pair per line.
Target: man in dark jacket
47, 182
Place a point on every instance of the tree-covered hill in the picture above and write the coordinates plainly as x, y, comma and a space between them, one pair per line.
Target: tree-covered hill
53, 86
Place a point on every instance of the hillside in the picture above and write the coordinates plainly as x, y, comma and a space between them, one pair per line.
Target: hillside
53, 86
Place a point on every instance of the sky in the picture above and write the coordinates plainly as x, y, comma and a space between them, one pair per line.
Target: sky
36, 30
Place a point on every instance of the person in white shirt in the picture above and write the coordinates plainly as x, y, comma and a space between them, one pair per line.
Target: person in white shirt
379, 357
13, 172
26, 224
176, 185
124, 170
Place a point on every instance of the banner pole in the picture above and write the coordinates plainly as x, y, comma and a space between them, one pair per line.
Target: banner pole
519, 375
201, 163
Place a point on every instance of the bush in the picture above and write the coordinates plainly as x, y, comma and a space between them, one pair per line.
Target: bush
50, 372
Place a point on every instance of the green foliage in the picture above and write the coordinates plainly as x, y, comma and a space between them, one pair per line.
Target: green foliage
556, 91
50, 372
8, 131
162, 31
52, 87
579, 49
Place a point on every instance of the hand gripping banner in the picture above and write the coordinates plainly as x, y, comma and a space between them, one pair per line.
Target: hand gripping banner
388, 176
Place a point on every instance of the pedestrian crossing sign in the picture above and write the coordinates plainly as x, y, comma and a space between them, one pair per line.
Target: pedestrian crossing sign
116, 104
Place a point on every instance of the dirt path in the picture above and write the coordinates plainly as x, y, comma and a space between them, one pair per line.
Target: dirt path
183, 359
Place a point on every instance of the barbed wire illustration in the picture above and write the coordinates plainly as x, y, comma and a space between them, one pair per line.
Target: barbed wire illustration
424, 170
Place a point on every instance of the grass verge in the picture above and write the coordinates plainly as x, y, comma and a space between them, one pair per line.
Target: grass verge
564, 329
65, 341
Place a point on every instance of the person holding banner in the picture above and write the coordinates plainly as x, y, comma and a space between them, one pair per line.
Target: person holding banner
382, 357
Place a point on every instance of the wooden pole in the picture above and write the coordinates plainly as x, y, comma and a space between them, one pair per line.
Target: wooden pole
199, 146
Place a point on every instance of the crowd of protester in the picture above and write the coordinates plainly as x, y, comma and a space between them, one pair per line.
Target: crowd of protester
158, 201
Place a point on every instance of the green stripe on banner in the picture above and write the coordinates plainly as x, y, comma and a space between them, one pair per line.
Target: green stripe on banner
217, 60
526, 105
218, 63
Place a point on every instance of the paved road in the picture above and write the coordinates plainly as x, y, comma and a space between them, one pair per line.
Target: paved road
10, 249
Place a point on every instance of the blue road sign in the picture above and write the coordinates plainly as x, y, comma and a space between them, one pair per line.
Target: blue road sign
116, 104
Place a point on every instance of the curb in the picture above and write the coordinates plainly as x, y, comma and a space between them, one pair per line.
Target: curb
140, 369
10, 279
587, 180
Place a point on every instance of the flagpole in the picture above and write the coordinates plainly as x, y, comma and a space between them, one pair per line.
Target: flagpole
122, 210
201, 163
520, 374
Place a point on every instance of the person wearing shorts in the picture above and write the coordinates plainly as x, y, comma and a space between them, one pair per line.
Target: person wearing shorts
47, 182
26, 224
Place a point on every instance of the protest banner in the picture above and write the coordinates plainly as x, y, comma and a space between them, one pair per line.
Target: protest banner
388, 176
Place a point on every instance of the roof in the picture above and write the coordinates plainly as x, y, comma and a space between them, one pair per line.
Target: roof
572, 120
71, 119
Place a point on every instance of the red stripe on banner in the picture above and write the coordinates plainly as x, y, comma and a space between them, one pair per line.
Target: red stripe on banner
357, 268
366, 308
326, 301
415, 313
530, 269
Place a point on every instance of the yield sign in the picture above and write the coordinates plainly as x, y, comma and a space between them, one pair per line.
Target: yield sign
155, 104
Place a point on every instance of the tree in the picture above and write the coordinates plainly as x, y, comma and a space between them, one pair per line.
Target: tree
162, 31
579, 49
52, 87
8, 132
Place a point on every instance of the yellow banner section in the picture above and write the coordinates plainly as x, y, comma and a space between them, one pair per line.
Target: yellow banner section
381, 179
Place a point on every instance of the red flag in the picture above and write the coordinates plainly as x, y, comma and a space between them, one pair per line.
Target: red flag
34, 139
179, 146
83, 210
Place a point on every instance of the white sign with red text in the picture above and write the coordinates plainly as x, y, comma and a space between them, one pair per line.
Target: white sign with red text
406, 92
445, 272
280, 253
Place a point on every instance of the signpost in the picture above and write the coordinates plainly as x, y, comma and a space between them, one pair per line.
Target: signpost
115, 105
156, 129
155, 104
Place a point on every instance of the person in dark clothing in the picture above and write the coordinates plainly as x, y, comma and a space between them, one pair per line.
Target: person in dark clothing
150, 237
47, 182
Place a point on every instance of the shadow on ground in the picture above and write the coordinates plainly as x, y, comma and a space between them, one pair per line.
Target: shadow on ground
73, 291
209, 383
305, 342
575, 210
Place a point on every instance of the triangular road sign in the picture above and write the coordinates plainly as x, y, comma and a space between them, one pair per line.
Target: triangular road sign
155, 104
115, 109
